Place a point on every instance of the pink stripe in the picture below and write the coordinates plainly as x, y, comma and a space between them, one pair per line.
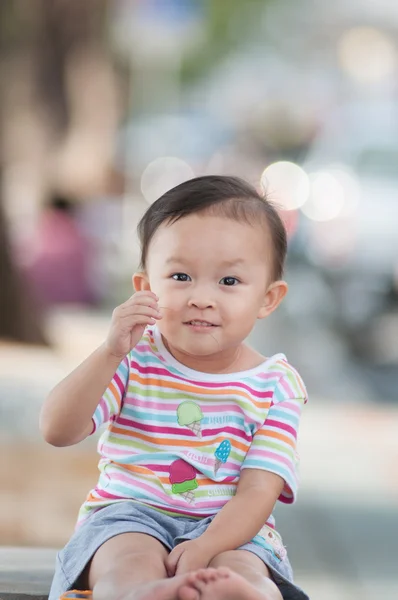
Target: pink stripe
237, 432
120, 385
280, 425
142, 347
293, 405
177, 431
141, 486
156, 468
103, 494
286, 499
271, 375
285, 384
266, 454
226, 408
105, 410
109, 450
150, 403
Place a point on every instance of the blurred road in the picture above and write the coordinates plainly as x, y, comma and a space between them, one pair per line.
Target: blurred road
341, 534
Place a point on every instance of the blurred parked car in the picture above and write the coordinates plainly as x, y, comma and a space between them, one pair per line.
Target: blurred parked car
356, 156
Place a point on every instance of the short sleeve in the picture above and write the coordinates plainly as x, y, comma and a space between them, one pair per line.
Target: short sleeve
111, 402
274, 445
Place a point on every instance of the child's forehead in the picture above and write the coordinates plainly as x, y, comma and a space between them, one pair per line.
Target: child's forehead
208, 222
230, 239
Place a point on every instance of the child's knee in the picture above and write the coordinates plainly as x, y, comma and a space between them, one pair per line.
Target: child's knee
128, 557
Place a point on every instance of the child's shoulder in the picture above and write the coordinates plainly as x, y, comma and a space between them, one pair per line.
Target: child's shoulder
284, 375
280, 364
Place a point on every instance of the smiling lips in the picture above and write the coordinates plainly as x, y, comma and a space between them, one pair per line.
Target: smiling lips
198, 323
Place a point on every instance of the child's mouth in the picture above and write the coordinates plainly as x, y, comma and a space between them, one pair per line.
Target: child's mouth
196, 323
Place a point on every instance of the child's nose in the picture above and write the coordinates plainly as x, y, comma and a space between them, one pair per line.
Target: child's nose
201, 302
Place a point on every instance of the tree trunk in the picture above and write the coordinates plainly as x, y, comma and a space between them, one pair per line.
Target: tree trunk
44, 33
18, 316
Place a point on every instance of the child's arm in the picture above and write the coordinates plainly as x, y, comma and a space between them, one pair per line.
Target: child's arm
237, 523
243, 516
66, 415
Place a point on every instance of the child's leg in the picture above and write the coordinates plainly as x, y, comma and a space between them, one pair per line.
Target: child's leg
131, 566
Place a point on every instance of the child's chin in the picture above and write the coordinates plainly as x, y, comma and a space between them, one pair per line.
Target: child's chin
202, 348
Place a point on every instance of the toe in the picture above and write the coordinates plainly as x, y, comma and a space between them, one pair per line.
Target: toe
223, 572
191, 578
203, 571
202, 574
210, 574
186, 592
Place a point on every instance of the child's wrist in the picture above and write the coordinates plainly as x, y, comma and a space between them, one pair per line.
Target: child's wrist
208, 545
109, 355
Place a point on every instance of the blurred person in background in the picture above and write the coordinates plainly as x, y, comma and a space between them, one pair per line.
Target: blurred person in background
183, 506
59, 257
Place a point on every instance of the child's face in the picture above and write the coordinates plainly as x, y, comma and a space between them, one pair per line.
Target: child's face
212, 277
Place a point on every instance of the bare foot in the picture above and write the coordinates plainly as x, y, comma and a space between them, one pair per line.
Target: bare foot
192, 588
222, 584
165, 589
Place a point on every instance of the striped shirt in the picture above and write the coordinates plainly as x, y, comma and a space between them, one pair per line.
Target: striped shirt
176, 439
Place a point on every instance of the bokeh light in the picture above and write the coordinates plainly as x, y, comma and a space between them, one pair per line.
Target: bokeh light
162, 174
367, 54
326, 199
287, 184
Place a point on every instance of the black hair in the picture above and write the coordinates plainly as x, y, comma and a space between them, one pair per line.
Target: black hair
216, 194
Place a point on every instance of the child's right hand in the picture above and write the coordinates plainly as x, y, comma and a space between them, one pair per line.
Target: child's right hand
129, 321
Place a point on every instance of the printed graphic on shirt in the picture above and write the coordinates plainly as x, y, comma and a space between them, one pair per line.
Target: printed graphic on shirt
274, 540
183, 480
189, 415
221, 455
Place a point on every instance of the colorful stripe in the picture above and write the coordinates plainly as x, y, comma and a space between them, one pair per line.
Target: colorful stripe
246, 420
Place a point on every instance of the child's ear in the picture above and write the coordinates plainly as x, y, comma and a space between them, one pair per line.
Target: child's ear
273, 297
141, 282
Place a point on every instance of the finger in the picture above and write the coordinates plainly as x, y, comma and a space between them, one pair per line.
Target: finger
149, 311
138, 320
147, 295
180, 567
144, 294
133, 311
170, 569
141, 301
171, 563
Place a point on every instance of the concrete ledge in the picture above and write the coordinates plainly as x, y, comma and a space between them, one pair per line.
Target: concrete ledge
26, 573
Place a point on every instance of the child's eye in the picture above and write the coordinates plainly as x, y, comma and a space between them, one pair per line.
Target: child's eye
181, 277
229, 281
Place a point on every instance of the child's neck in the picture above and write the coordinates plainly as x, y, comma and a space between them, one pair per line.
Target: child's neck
241, 358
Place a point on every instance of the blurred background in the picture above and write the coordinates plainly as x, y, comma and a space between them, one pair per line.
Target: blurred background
106, 104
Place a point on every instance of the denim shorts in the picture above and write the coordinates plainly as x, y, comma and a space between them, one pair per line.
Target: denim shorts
133, 517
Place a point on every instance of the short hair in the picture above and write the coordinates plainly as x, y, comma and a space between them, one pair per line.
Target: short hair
222, 195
